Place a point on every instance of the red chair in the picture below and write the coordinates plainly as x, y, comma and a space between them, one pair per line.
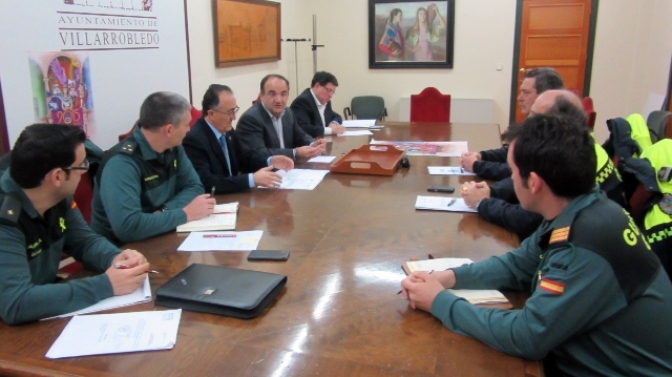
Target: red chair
590, 112
84, 196
430, 106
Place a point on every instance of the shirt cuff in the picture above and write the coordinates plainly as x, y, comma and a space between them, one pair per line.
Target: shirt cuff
268, 161
328, 130
250, 179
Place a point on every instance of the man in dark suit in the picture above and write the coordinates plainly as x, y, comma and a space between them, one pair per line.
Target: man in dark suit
212, 147
269, 128
313, 107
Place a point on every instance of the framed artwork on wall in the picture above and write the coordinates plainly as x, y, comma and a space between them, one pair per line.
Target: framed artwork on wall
411, 33
246, 32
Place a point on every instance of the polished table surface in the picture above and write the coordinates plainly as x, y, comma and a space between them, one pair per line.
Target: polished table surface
339, 314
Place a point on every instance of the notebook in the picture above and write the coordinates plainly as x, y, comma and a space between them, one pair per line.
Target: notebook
223, 218
221, 290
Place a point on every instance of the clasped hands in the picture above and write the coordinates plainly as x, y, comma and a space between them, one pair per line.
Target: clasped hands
420, 287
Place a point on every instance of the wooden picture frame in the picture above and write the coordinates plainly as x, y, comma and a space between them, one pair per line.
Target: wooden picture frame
400, 36
246, 32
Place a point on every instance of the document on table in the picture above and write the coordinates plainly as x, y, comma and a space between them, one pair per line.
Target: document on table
323, 159
140, 296
359, 123
356, 133
223, 218
301, 179
102, 334
222, 241
474, 296
442, 203
448, 170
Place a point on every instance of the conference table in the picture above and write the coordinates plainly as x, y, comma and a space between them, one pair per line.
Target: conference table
340, 314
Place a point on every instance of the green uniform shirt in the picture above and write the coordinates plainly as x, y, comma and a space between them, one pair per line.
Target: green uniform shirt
134, 182
29, 261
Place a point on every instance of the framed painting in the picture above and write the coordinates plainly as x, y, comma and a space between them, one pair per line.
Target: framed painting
246, 32
411, 33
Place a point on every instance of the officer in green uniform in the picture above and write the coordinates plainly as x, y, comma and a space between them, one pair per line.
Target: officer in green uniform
146, 185
600, 300
39, 220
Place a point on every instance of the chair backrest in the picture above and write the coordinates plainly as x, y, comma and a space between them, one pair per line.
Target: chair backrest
196, 114
657, 123
590, 112
430, 106
368, 107
127, 134
84, 196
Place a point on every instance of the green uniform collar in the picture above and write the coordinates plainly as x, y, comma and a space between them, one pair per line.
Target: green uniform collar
9, 186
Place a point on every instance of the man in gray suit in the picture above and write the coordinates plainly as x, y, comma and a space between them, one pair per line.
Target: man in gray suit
269, 127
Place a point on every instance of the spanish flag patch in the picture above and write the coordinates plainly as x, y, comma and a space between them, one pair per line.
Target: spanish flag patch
73, 205
559, 235
551, 286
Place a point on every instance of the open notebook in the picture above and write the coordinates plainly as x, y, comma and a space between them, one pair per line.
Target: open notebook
223, 218
474, 296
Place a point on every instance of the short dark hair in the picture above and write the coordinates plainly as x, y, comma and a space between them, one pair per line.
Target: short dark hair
272, 75
211, 97
564, 106
162, 108
393, 13
323, 78
546, 78
557, 149
42, 147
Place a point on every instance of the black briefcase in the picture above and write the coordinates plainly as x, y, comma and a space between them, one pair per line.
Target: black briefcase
221, 290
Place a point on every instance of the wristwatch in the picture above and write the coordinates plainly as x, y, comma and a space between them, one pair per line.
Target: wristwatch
163, 208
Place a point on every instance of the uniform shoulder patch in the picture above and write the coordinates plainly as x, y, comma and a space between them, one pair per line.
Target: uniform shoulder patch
128, 148
552, 286
559, 235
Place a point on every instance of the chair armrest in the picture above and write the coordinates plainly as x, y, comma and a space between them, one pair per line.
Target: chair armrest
346, 112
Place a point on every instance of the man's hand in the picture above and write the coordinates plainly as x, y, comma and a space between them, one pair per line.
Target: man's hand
473, 192
336, 128
127, 280
420, 288
313, 150
467, 160
282, 162
200, 207
130, 258
267, 178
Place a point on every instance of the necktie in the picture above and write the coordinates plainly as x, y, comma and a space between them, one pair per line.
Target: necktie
225, 149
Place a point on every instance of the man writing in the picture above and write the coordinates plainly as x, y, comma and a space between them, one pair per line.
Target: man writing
269, 128
212, 146
313, 107
40, 220
600, 300
146, 185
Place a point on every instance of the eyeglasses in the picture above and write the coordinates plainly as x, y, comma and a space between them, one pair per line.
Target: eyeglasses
84, 166
229, 112
329, 90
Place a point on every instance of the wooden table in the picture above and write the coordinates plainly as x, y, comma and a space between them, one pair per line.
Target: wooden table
339, 314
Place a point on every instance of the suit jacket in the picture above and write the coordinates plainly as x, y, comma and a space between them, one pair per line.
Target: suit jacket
308, 116
258, 138
205, 153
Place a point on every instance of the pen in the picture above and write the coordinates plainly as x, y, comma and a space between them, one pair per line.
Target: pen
219, 236
212, 192
451, 202
430, 272
461, 170
126, 267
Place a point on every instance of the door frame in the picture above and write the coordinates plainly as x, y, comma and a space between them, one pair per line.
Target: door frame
516, 54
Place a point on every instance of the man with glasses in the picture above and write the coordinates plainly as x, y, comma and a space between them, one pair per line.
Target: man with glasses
270, 128
212, 146
39, 220
146, 185
313, 107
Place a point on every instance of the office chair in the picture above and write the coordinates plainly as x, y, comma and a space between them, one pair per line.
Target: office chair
366, 107
657, 123
430, 106
590, 112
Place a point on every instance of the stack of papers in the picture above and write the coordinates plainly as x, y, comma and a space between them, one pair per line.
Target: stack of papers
103, 334
474, 296
301, 179
322, 159
442, 203
219, 241
359, 123
448, 170
140, 296
357, 133
223, 218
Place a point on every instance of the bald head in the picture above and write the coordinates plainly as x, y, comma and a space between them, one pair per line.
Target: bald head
562, 102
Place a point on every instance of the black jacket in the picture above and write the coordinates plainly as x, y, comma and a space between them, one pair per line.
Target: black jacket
308, 116
493, 164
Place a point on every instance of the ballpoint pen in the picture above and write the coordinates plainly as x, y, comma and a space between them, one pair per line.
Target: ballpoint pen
430, 272
451, 202
126, 267
212, 192
219, 236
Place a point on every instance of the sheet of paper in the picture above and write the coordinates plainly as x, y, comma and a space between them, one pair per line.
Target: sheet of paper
223, 218
442, 203
356, 133
359, 123
141, 295
323, 159
221, 241
428, 148
301, 179
103, 334
448, 170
